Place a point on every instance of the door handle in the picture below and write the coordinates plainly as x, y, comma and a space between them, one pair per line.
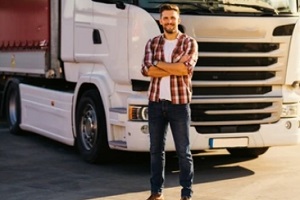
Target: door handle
97, 37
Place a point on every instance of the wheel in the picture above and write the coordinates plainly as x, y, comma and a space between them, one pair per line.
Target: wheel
13, 108
91, 133
247, 152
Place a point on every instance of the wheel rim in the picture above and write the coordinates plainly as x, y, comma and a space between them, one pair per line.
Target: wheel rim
88, 127
12, 108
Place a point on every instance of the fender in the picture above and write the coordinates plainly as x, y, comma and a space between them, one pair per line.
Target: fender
105, 88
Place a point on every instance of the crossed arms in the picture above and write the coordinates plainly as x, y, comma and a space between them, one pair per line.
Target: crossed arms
182, 67
163, 69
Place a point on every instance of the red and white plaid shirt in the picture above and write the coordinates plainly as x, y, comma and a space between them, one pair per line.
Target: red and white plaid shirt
181, 86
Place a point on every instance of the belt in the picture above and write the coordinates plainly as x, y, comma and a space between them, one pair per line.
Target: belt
164, 100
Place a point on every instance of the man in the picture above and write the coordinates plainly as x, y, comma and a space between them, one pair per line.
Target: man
169, 60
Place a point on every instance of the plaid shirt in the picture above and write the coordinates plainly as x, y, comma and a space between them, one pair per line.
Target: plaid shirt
181, 86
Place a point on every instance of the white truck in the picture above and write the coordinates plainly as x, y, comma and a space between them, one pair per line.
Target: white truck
70, 71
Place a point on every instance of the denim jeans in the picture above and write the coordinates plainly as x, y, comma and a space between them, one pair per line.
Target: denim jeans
162, 114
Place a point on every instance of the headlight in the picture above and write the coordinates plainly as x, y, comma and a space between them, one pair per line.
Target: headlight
138, 113
289, 110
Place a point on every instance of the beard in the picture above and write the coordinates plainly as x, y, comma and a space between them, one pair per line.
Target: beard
171, 29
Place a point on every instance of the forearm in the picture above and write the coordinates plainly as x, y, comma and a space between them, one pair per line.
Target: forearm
156, 72
177, 69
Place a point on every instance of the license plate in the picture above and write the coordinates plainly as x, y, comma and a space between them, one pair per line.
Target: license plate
228, 142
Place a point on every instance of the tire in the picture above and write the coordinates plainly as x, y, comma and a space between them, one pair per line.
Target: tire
247, 152
91, 132
13, 108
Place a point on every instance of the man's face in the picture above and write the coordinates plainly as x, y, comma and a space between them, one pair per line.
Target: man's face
169, 20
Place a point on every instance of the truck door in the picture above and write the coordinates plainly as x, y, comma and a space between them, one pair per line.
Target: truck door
110, 37
83, 43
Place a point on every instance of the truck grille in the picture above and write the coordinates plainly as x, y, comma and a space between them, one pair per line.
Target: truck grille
236, 86
236, 62
231, 90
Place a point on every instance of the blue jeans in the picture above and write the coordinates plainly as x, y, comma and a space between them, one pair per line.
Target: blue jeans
178, 117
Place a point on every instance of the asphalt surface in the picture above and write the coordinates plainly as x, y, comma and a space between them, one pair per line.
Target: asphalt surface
36, 168
33, 167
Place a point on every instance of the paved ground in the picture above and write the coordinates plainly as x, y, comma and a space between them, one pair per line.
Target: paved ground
33, 167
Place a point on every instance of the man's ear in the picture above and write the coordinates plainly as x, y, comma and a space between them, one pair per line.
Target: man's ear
179, 20
160, 21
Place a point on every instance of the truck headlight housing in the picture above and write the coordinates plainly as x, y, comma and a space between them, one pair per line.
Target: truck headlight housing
289, 110
138, 113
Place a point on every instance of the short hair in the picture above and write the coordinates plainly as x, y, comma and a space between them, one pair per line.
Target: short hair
164, 7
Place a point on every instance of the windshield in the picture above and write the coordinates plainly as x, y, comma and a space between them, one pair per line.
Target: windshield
261, 7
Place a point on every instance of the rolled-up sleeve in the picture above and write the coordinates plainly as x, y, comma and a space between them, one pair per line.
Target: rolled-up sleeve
147, 61
193, 52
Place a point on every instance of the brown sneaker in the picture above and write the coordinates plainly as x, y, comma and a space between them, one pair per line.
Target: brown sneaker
186, 198
156, 196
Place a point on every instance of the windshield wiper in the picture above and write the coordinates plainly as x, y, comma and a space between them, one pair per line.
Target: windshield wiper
256, 7
200, 6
